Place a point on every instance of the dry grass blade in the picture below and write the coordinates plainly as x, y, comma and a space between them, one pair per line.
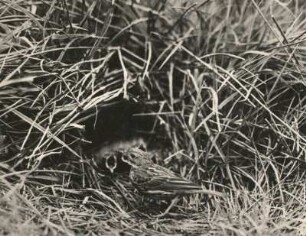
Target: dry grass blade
215, 89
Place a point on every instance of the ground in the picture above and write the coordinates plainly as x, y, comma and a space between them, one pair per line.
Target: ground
214, 89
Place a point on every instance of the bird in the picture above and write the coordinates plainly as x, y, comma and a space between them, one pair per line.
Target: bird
157, 181
108, 153
150, 179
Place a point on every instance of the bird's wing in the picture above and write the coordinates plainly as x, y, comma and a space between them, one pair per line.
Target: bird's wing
165, 180
160, 181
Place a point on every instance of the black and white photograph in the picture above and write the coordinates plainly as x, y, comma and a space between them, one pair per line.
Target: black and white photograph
152, 117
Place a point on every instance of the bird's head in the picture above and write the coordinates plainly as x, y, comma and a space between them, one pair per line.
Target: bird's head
136, 157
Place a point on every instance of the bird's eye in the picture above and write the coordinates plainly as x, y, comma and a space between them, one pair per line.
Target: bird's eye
132, 156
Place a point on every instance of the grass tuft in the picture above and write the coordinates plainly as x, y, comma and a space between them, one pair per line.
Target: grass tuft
216, 88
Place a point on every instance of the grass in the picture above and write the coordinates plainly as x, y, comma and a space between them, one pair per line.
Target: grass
216, 88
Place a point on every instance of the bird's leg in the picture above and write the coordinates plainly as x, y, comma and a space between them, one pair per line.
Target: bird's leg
173, 202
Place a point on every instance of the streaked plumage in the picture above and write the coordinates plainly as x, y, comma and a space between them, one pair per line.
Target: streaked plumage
157, 181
